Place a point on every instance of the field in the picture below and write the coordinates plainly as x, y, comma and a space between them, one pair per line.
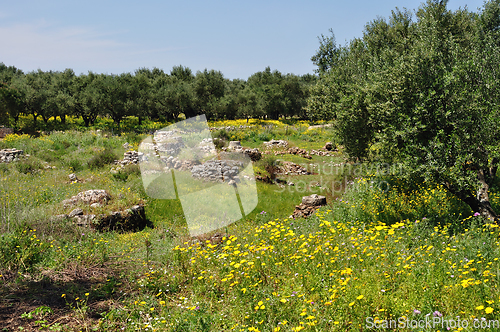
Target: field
386, 252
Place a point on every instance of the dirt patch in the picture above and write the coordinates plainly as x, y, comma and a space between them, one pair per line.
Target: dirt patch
43, 298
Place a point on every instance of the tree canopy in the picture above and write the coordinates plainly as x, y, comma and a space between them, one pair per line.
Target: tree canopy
423, 91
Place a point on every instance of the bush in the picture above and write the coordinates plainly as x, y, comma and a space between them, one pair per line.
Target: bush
21, 250
390, 200
29, 165
221, 134
123, 174
75, 164
264, 136
101, 159
219, 143
47, 155
4, 168
270, 164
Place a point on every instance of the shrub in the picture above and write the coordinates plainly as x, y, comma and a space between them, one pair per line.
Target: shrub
4, 168
102, 158
21, 250
221, 134
47, 155
264, 136
219, 143
29, 165
76, 165
123, 174
270, 164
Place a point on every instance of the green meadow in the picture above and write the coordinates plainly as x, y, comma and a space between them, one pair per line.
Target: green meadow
384, 252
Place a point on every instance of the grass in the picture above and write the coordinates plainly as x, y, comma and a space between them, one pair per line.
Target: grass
383, 250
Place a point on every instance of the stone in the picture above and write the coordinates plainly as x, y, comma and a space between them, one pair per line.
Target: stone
59, 217
308, 206
75, 212
131, 157
84, 220
253, 154
217, 170
234, 145
9, 155
132, 219
72, 177
95, 205
290, 168
88, 197
276, 144
328, 146
314, 200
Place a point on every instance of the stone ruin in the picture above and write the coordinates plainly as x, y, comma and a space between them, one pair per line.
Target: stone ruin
230, 128
131, 157
8, 155
218, 171
132, 219
326, 152
295, 151
276, 144
308, 206
88, 197
253, 154
290, 168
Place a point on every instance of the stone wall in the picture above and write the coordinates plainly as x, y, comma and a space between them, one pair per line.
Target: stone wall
8, 155
218, 170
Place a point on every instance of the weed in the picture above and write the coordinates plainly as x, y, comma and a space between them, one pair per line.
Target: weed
101, 159
22, 249
4, 168
74, 164
39, 312
123, 174
30, 165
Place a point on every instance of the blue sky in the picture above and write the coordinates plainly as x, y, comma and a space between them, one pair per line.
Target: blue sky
238, 38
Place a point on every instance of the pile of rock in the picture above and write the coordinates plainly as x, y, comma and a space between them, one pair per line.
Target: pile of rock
290, 168
308, 206
8, 155
320, 126
207, 145
218, 171
276, 144
132, 219
230, 128
166, 143
171, 148
73, 178
131, 157
320, 153
253, 154
234, 145
178, 164
295, 151
93, 197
